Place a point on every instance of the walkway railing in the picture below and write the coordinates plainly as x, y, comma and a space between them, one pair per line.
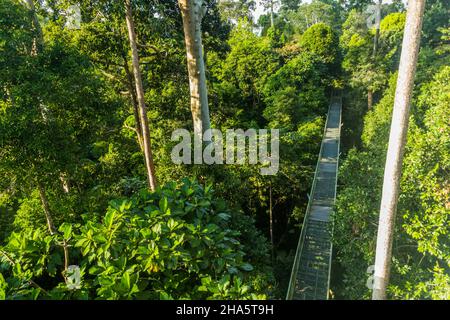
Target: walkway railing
310, 276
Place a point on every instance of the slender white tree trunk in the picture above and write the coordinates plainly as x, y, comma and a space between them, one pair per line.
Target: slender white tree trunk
377, 28
134, 101
46, 207
192, 12
375, 49
141, 100
397, 141
271, 14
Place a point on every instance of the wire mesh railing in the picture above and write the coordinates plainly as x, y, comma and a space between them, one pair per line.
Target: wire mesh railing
301, 242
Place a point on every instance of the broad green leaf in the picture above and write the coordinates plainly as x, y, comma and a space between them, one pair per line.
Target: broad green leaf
246, 267
66, 229
163, 204
125, 281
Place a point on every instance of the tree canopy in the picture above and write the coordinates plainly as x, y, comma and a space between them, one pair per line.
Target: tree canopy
82, 84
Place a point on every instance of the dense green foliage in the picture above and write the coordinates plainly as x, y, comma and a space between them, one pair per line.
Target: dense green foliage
68, 135
179, 242
69, 149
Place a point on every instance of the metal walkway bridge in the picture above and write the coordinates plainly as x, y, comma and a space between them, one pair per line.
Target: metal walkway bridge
310, 276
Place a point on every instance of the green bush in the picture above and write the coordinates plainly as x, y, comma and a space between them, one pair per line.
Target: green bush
175, 243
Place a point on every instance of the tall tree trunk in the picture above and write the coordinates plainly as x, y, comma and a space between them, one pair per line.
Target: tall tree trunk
271, 14
135, 103
38, 40
192, 12
369, 99
397, 141
377, 28
51, 225
140, 97
376, 39
38, 44
64, 182
46, 207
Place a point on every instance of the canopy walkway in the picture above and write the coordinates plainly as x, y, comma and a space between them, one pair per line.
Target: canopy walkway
310, 276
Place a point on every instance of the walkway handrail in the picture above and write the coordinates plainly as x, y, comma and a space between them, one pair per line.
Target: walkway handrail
298, 252
335, 194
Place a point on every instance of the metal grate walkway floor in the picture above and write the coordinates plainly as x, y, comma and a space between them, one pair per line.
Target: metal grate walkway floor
310, 275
